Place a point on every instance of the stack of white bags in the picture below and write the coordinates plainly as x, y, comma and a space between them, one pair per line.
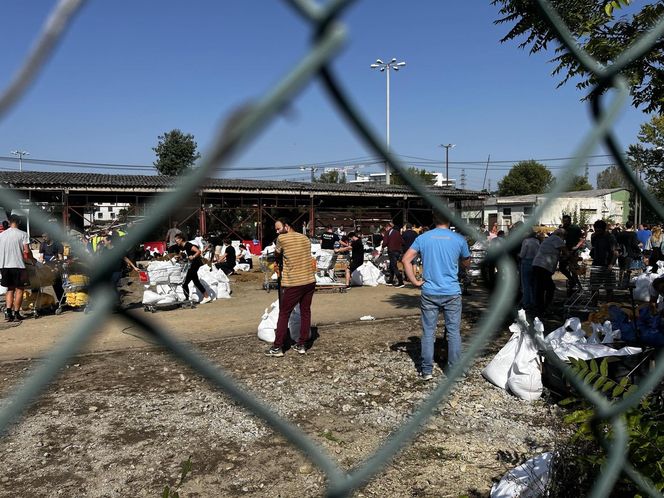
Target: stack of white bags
165, 279
517, 367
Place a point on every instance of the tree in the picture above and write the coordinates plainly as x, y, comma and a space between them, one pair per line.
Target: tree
332, 176
176, 152
526, 177
612, 177
421, 174
580, 183
604, 37
648, 155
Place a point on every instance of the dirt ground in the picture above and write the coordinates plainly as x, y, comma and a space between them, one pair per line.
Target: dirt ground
124, 414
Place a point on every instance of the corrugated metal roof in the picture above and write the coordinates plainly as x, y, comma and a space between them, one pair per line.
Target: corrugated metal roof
97, 181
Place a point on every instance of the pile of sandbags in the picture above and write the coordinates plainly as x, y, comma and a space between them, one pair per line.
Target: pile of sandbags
165, 279
367, 274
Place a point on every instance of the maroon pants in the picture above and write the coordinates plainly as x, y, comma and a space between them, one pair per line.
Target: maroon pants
290, 297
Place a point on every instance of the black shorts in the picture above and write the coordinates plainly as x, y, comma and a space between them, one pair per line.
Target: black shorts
14, 278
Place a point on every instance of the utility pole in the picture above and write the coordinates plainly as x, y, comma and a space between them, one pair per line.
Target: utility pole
462, 179
20, 154
486, 171
447, 161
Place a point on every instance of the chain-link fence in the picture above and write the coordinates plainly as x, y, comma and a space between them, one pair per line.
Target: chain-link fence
328, 35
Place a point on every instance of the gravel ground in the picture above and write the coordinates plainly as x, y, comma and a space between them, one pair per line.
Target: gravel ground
120, 424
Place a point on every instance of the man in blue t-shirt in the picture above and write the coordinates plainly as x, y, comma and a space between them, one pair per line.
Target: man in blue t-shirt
441, 251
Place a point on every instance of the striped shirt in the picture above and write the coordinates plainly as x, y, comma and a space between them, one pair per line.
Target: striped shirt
298, 263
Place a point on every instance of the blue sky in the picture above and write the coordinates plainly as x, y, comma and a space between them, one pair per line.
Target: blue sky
128, 71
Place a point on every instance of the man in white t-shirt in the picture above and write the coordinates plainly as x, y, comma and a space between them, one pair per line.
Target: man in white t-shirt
14, 250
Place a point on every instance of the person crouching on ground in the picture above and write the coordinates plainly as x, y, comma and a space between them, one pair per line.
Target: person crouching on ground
298, 283
14, 251
193, 255
227, 260
441, 251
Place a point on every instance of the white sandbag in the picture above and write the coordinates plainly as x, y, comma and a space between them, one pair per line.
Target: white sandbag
596, 335
610, 335
585, 254
642, 286
367, 274
3, 290
498, 369
168, 299
150, 297
589, 351
571, 331
241, 267
294, 324
325, 260
528, 480
324, 279
524, 379
268, 323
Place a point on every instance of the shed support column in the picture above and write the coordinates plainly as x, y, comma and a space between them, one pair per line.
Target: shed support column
312, 217
202, 218
259, 226
65, 209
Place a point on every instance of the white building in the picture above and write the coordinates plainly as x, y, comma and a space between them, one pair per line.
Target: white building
587, 205
104, 213
439, 179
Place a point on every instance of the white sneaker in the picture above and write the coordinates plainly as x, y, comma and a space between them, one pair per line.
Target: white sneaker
206, 300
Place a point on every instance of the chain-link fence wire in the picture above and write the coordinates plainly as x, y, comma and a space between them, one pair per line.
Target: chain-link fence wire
244, 124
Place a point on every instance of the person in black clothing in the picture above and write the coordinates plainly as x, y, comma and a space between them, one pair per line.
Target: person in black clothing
357, 251
228, 259
108, 245
568, 262
629, 251
328, 239
193, 255
409, 235
51, 252
603, 254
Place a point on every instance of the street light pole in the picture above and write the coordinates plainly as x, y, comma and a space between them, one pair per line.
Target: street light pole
386, 67
447, 161
20, 154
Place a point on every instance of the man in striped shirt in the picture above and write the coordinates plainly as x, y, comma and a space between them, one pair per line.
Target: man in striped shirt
298, 283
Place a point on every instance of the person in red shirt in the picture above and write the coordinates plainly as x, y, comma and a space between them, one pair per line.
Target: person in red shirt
393, 242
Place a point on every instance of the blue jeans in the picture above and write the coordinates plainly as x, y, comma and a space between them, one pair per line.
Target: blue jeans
430, 306
527, 293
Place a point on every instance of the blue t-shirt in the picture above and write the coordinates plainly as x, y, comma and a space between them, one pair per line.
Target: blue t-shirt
441, 250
